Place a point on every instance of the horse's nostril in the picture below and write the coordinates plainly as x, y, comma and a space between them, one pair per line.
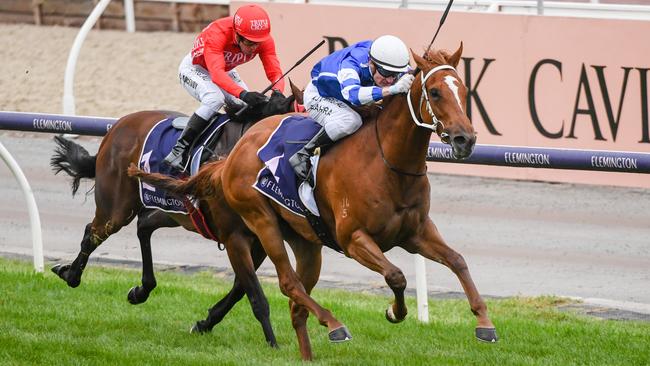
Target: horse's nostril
460, 140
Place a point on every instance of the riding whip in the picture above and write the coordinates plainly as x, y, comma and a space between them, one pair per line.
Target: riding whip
442, 21
285, 74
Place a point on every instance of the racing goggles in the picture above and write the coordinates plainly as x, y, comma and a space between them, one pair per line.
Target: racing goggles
386, 73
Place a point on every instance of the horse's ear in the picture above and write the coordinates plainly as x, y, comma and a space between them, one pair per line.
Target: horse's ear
420, 61
454, 59
297, 93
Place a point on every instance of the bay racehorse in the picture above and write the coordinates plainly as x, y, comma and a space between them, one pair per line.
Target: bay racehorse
117, 204
372, 192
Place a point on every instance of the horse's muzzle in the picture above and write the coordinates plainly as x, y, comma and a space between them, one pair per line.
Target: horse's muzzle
462, 145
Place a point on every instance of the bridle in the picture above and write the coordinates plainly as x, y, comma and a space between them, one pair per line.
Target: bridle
435, 121
424, 96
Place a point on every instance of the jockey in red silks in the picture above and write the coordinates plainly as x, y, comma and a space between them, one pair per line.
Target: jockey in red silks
208, 71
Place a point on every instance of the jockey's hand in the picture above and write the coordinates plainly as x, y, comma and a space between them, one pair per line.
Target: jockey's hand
252, 98
402, 85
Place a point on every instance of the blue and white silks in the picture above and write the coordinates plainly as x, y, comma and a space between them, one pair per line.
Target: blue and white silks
345, 75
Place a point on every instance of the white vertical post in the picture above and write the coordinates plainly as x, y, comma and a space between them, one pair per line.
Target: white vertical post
68, 79
540, 7
129, 16
421, 289
34, 219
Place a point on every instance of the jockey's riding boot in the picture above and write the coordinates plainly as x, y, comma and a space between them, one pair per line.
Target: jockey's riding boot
300, 160
194, 127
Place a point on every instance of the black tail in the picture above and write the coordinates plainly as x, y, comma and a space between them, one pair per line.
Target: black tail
73, 159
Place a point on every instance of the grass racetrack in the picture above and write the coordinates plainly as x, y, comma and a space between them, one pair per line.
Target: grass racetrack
43, 322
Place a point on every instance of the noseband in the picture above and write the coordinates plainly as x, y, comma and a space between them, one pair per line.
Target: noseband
425, 97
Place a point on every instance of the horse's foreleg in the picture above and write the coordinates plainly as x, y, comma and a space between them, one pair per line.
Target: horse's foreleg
148, 222
431, 245
308, 265
246, 255
220, 309
245, 259
364, 250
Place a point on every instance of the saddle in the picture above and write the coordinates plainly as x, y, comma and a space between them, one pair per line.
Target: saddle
277, 179
209, 144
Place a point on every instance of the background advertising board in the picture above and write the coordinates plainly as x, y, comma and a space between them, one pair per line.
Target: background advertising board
534, 81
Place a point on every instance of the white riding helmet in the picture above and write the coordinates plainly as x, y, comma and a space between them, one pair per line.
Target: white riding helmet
390, 53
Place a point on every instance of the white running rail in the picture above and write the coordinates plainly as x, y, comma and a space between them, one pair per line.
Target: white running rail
68, 78
34, 219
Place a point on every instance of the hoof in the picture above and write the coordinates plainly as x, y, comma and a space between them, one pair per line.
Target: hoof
488, 335
341, 334
62, 271
390, 316
134, 298
198, 328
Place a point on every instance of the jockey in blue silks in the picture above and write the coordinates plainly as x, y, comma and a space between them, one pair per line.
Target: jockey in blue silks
360, 74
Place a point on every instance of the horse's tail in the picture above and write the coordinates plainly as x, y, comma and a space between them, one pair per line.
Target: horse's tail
73, 159
201, 185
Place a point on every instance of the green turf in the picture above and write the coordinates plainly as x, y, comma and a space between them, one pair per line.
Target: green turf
43, 322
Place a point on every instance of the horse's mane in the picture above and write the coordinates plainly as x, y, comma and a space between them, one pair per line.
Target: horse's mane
368, 112
277, 104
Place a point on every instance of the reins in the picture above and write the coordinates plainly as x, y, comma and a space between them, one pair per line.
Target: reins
435, 121
383, 157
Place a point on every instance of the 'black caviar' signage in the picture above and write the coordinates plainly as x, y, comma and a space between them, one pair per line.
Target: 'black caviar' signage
592, 84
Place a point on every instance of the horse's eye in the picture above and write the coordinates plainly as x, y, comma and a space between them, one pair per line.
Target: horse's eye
435, 94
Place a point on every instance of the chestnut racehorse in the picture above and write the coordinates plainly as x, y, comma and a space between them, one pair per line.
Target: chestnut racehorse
117, 204
372, 196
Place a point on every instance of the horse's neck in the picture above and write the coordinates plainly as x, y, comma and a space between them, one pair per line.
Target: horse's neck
404, 143
227, 138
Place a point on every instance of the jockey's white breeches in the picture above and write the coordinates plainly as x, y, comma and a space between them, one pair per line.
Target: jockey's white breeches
338, 118
197, 81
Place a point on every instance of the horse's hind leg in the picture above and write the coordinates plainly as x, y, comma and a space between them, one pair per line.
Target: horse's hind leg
148, 222
266, 226
116, 204
431, 245
308, 265
94, 234
71, 273
246, 255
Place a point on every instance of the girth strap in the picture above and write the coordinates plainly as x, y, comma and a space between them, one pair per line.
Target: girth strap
322, 231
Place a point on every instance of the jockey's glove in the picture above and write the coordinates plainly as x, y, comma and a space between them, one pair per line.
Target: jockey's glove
252, 98
402, 85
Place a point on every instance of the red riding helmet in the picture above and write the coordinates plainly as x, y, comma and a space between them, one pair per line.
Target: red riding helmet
252, 23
